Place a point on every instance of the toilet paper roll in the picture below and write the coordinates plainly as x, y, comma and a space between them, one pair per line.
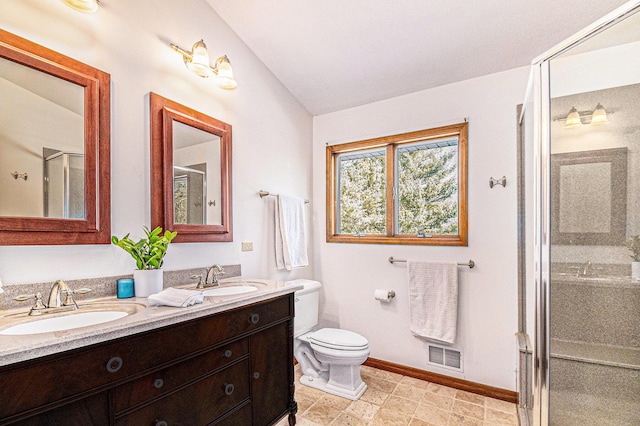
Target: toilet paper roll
383, 295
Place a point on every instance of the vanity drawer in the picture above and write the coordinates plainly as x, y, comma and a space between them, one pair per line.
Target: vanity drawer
167, 380
197, 404
93, 410
255, 316
241, 416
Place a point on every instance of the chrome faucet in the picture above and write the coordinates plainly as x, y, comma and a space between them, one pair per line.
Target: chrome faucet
55, 298
60, 299
213, 274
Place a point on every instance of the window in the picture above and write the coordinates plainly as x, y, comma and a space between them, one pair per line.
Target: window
403, 189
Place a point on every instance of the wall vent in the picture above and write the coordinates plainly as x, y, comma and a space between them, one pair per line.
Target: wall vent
445, 357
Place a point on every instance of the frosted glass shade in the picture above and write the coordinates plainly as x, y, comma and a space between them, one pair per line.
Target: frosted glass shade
573, 119
88, 6
199, 63
599, 115
225, 78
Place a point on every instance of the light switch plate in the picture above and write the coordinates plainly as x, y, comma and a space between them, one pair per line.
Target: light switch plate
247, 246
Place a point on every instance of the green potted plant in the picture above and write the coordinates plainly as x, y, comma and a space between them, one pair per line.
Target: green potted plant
634, 247
149, 255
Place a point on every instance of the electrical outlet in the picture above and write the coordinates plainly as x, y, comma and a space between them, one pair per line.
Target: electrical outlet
247, 246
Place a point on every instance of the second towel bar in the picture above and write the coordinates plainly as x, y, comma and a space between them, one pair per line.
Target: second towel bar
264, 193
470, 264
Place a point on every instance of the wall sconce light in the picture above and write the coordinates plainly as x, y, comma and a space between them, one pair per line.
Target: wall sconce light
87, 6
197, 61
599, 115
575, 118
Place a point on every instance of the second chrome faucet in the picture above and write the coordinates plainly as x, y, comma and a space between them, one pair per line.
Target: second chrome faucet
211, 278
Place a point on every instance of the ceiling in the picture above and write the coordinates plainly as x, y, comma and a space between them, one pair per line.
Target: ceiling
337, 54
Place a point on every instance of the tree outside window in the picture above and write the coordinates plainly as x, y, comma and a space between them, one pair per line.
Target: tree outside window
362, 191
400, 189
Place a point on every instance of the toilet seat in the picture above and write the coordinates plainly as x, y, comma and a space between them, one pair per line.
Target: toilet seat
340, 340
340, 356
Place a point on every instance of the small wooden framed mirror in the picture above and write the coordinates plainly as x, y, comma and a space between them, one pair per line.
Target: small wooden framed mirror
54, 147
190, 172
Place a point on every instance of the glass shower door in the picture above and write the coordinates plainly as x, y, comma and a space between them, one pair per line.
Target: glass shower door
593, 179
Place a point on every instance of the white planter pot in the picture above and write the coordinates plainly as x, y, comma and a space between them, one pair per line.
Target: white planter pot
147, 282
635, 271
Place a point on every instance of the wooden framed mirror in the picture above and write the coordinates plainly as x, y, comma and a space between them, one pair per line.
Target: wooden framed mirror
190, 172
54, 147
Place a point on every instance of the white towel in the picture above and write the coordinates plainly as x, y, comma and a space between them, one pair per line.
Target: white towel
291, 236
433, 300
179, 298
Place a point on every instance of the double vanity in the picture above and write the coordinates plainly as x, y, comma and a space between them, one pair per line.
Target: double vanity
226, 361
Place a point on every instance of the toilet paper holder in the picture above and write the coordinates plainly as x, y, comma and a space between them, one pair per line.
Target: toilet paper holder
381, 296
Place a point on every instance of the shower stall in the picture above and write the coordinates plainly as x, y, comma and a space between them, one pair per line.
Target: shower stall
579, 211
63, 184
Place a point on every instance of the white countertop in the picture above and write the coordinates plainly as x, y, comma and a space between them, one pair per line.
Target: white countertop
15, 349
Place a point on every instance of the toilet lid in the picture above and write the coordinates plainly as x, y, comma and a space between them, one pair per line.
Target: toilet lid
335, 338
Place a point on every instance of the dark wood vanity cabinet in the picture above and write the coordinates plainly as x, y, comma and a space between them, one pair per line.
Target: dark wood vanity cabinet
230, 368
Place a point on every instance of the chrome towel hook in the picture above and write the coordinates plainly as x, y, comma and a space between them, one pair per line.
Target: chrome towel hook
17, 175
502, 181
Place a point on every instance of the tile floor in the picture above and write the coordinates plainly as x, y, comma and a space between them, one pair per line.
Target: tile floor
393, 399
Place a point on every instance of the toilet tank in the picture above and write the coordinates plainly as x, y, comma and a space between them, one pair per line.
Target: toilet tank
306, 306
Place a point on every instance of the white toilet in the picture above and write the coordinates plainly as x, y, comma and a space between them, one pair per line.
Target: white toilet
329, 358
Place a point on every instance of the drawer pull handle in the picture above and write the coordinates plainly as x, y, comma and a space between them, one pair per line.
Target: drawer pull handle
161, 423
228, 353
228, 389
158, 383
256, 375
255, 318
114, 364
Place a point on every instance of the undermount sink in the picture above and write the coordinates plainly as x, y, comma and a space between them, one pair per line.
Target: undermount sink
85, 316
233, 287
228, 291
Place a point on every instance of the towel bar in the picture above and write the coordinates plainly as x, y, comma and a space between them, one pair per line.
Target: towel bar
264, 193
470, 264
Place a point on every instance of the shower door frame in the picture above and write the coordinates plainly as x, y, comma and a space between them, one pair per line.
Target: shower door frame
540, 90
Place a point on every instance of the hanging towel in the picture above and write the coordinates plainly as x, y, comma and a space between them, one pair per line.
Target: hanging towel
291, 237
433, 300
179, 298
